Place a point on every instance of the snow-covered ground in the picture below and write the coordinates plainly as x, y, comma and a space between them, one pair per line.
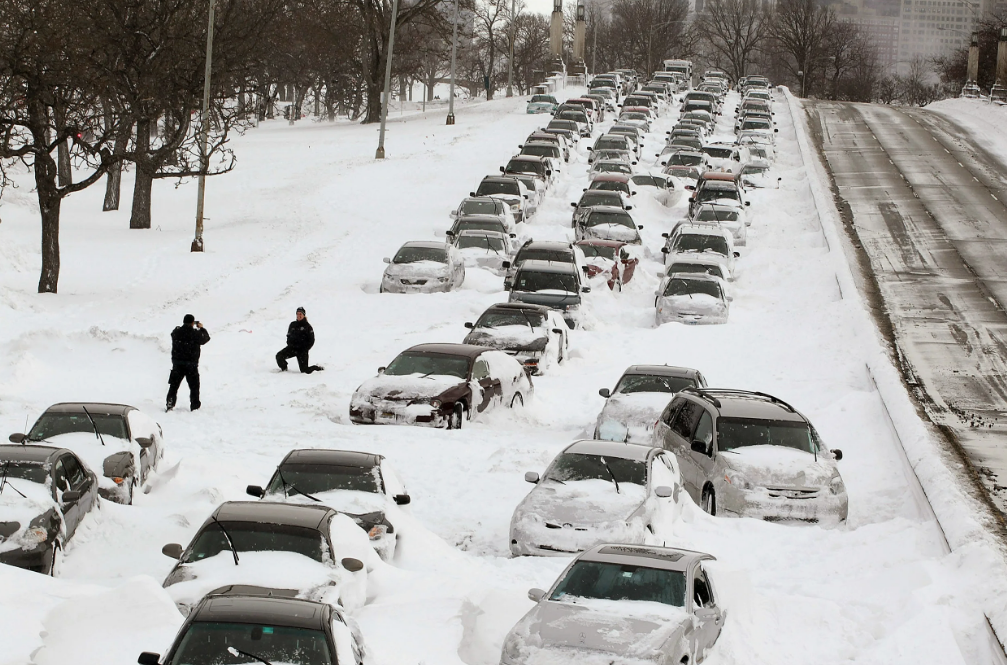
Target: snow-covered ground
983, 121
304, 221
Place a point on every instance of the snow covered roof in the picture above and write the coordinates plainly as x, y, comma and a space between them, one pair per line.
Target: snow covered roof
332, 457
661, 370
253, 609
631, 451
668, 558
266, 512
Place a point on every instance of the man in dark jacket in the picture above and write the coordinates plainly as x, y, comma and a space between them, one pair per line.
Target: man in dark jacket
185, 342
300, 339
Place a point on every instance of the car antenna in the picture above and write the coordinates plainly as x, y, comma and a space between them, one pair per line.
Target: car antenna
95, 426
227, 537
25, 429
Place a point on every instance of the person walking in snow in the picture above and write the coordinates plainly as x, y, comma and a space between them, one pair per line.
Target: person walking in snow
300, 339
185, 342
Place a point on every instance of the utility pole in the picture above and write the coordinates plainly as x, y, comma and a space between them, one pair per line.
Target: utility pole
204, 159
454, 54
510, 62
380, 153
594, 46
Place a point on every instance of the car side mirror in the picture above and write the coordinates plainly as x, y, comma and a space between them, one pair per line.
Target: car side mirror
632, 193
472, 193
145, 441
351, 564
380, 370
520, 147
665, 250
605, 392
470, 325
628, 208
512, 235
403, 499
503, 170
589, 148
639, 227
70, 496
506, 264
172, 550
775, 131
507, 287
572, 203
149, 658
737, 255
526, 196
663, 491
255, 490
838, 454
700, 447
16, 438
558, 331
548, 172
665, 235
635, 163
691, 188
449, 234
536, 595
386, 260
748, 203
531, 477
585, 289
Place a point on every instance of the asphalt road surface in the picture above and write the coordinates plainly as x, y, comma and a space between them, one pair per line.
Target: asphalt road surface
928, 208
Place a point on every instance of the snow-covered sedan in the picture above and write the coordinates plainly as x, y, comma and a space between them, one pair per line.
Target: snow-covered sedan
485, 206
621, 604
700, 241
485, 249
522, 201
639, 397
608, 223
313, 552
423, 267
550, 283
45, 491
124, 443
614, 259
728, 217
361, 485
440, 385
693, 298
596, 492
752, 455
534, 334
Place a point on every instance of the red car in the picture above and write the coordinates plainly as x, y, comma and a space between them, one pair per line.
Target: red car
600, 256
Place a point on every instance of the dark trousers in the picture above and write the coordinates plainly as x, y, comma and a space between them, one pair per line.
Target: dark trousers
302, 359
189, 372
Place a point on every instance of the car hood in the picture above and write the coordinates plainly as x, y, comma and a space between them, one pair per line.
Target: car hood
508, 337
779, 466
631, 630
92, 452
697, 303
22, 509
417, 269
640, 409
582, 502
613, 232
406, 387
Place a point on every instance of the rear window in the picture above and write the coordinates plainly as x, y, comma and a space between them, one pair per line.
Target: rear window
414, 254
678, 286
487, 188
701, 268
699, 242
535, 254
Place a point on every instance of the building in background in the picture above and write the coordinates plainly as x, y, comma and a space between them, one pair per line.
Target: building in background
931, 28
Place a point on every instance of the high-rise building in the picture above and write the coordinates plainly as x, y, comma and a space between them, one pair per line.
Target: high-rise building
930, 28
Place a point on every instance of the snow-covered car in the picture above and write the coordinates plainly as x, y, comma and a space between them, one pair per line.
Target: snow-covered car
440, 385
723, 156
614, 156
542, 104
45, 491
555, 139
548, 151
534, 334
755, 174
700, 241
530, 165
731, 218
596, 197
611, 142
361, 485
240, 624
753, 455
625, 604
608, 223
693, 298
612, 182
639, 397
122, 441
658, 185
615, 259
545, 250
596, 492
550, 283
513, 192
477, 223
683, 176
423, 267
312, 552
485, 206
485, 249
609, 166
679, 157
636, 118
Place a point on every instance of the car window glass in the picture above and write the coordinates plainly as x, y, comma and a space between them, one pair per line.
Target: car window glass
59, 475
55, 424
702, 595
74, 474
393, 486
662, 473
704, 431
669, 413
686, 419
481, 370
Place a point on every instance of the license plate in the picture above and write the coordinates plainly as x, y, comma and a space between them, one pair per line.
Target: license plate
387, 414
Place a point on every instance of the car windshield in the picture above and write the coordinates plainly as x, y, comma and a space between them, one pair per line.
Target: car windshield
255, 537
598, 198
683, 172
207, 643
611, 144
499, 318
480, 225
563, 124
531, 280
537, 254
426, 364
612, 155
569, 467
543, 98
718, 153
487, 188
54, 424
33, 472
312, 478
734, 433
414, 254
711, 194
611, 186
754, 170
652, 383
485, 207
597, 218
701, 242
633, 115
755, 124
598, 250
482, 242
685, 159
540, 150
650, 181
613, 167
521, 166
679, 286
701, 268
613, 581
713, 215
573, 115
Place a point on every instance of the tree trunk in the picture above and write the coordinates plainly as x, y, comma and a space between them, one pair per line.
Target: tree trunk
143, 183
113, 183
62, 151
48, 204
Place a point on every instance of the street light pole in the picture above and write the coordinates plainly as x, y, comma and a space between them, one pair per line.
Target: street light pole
380, 153
510, 62
454, 54
204, 160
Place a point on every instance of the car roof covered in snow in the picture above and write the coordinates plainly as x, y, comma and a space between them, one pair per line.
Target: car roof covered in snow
667, 558
662, 370
746, 404
262, 609
598, 242
93, 407
429, 244
552, 245
264, 512
526, 306
325, 456
630, 451
467, 350
27, 453
536, 265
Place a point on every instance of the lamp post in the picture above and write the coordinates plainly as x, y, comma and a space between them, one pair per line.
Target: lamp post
454, 54
510, 61
204, 160
380, 154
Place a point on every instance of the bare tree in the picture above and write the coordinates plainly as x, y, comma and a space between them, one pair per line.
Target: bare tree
800, 28
491, 29
733, 31
649, 31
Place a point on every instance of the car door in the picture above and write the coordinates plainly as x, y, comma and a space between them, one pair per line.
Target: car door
490, 385
663, 472
702, 461
71, 510
678, 440
81, 481
709, 616
663, 423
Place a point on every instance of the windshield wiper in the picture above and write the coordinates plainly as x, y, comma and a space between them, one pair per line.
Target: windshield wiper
227, 537
239, 652
609, 469
4, 482
294, 488
94, 425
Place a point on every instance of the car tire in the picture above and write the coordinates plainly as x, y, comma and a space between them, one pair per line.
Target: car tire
516, 401
55, 559
709, 501
457, 416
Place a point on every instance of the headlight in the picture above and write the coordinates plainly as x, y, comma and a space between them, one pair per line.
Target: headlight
377, 531
738, 480
34, 535
511, 651
837, 486
516, 205
442, 280
435, 403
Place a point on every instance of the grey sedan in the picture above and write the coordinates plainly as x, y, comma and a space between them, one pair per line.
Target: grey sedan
621, 603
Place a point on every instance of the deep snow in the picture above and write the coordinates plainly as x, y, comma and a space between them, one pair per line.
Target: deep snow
304, 221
